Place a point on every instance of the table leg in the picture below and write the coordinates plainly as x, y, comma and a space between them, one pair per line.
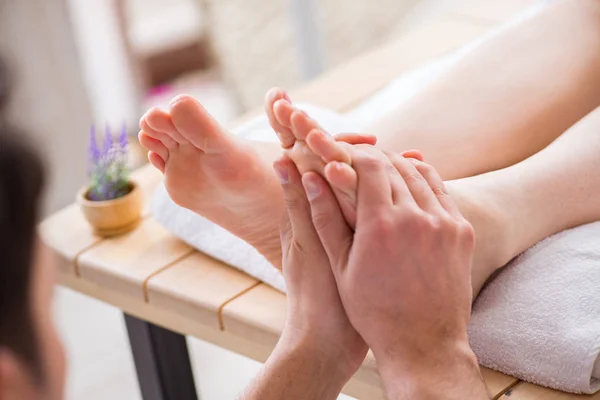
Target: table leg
162, 361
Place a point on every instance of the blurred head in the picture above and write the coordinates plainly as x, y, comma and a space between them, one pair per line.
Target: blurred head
32, 362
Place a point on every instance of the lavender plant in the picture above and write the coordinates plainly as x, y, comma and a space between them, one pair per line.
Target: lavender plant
107, 166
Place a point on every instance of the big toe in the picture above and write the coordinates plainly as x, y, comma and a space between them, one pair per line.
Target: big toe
302, 124
195, 124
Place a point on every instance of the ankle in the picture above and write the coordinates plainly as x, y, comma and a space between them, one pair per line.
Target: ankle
488, 211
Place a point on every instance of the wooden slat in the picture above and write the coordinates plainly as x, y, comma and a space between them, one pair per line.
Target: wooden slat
496, 382
68, 233
125, 262
488, 11
197, 287
527, 391
259, 316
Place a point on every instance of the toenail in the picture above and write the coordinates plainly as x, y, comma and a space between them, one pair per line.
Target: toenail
282, 174
312, 189
287, 97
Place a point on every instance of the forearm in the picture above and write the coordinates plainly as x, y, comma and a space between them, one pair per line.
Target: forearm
296, 372
451, 375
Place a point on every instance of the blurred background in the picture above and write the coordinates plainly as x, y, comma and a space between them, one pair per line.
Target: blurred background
75, 63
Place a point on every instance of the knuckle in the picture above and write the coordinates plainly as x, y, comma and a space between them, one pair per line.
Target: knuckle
412, 218
321, 220
422, 167
293, 202
440, 191
467, 232
385, 222
369, 163
412, 176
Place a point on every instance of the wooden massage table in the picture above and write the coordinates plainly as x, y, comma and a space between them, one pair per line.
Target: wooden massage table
167, 290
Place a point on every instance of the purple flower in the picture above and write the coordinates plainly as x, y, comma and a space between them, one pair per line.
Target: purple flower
108, 166
108, 141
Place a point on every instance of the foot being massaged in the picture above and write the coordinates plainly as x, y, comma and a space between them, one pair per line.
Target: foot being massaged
507, 139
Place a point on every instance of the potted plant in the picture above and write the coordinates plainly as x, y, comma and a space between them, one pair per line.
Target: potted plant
111, 203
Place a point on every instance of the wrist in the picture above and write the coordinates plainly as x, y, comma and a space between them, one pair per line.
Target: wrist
316, 353
449, 371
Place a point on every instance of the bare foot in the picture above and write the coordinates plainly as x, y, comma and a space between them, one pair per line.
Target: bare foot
215, 174
312, 149
305, 140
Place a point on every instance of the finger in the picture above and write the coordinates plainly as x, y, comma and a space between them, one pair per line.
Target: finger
438, 187
153, 145
156, 161
326, 147
328, 220
373, 190
356, 138
417, 185
416, 154
297, 206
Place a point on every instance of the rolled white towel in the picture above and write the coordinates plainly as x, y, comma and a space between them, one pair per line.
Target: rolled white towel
539, 319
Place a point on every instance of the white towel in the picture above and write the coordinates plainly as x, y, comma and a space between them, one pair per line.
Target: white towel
539, 320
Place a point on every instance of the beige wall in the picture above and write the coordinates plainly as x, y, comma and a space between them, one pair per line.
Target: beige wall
49, 98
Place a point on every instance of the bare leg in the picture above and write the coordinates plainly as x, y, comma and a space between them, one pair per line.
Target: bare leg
555, 189
509, 98
230, 181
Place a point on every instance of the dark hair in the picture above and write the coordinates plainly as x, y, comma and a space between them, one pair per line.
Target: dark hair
21, 186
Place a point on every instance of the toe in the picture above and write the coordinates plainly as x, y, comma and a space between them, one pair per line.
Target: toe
160, 120
198, 126
153, 145
156, 161
302, 124
326, 147
356, 138
344, 182
277, 101
161, 136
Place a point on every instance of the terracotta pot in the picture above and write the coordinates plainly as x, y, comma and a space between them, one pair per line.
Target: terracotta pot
112, 217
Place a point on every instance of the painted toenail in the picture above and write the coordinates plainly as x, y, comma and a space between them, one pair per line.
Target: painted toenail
282, 174
312, 189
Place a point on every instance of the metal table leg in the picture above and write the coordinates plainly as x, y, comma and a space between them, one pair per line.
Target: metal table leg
162, 361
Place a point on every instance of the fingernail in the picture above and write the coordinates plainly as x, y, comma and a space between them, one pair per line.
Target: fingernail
282, 174
312, 189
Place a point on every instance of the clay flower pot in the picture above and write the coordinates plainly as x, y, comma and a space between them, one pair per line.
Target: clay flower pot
112, 217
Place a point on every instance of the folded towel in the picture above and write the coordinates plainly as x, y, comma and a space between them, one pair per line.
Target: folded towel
538, 320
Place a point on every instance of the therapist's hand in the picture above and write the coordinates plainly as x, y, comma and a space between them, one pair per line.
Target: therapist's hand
319, 350
315, 314
404, 275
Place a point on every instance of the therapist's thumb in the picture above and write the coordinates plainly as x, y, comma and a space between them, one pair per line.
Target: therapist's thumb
296, 224
328, 220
